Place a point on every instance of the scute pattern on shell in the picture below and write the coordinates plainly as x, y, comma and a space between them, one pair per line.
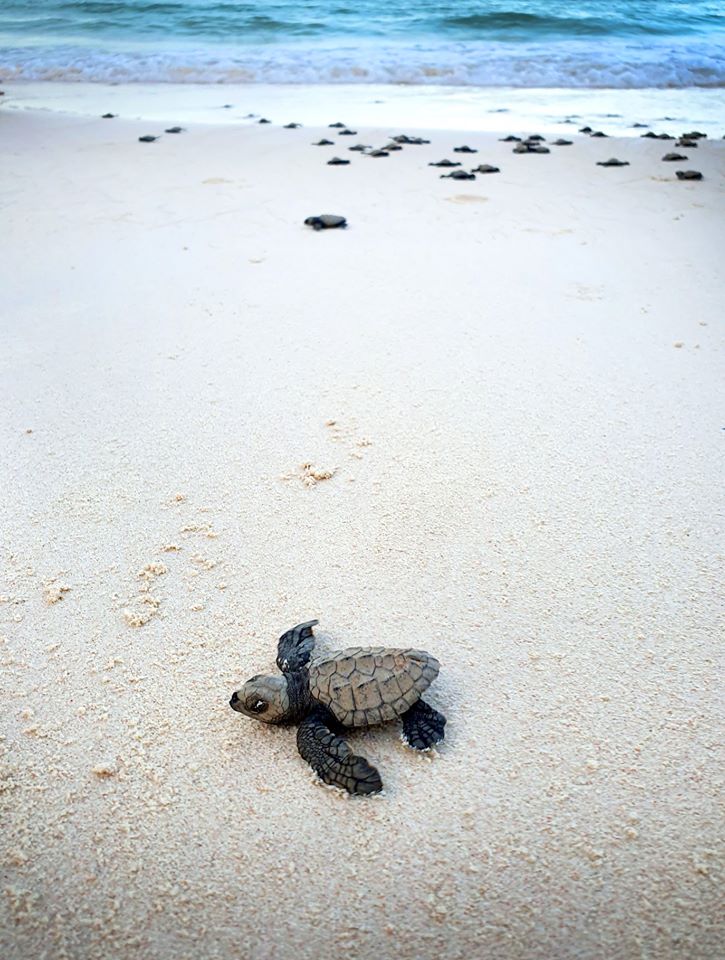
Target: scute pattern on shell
364, 686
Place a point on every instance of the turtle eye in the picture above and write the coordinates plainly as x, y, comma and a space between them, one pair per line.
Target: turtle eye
259, 706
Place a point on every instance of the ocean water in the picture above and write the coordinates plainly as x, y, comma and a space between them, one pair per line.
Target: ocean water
511, 43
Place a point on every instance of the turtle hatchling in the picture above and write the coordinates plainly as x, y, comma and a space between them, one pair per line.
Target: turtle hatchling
327, 693
326, 221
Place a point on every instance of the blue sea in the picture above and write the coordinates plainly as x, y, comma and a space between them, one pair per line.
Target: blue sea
512, 43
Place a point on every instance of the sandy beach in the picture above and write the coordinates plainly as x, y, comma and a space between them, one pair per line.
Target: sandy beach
484, 420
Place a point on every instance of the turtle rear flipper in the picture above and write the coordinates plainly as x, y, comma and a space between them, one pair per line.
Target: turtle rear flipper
423, 726
295, 647
332, 759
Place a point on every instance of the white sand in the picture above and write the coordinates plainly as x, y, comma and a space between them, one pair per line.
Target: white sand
526, 482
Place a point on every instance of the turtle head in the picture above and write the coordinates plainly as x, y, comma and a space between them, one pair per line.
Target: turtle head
263, 698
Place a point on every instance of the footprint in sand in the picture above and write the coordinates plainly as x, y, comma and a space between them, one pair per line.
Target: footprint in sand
467, 198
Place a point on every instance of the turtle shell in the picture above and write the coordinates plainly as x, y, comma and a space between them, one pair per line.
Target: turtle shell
364, 686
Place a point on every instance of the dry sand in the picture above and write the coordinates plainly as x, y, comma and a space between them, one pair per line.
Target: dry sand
513, 384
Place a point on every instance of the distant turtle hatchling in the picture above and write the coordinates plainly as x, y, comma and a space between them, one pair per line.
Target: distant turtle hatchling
109, 116
326, 221
612, 162
347, 133
459, 175
562, 143
528, 146
688, 175
175, 130
355, 687
337, 162
674, 157
687, 144
378, 153
291, 126
464, 149
510, 139
147, 138
485, 168
323, 143
446, 163
404, 138
338, 124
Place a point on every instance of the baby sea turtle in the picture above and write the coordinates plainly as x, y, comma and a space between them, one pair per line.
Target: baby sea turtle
688, 144
263, 120
323, 143
147, 138
347, 133
526, 146
360, 147
392, 146
404, 138
585, 130
459, 175
485, 168
325, 221
509, 139
599, 133
464, 149
688, 175
337, 162
445, 163
694, 135
338, 124
378, 153
175, 130
563, 143
109, 116
355, 687
291, 126
612, 162
674, 157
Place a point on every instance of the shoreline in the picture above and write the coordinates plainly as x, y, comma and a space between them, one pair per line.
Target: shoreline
495, 109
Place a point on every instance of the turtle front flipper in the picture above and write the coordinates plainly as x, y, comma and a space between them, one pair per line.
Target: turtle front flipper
423, 726
332, 759
295, 647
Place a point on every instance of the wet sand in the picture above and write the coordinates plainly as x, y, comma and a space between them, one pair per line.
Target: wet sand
483, 420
